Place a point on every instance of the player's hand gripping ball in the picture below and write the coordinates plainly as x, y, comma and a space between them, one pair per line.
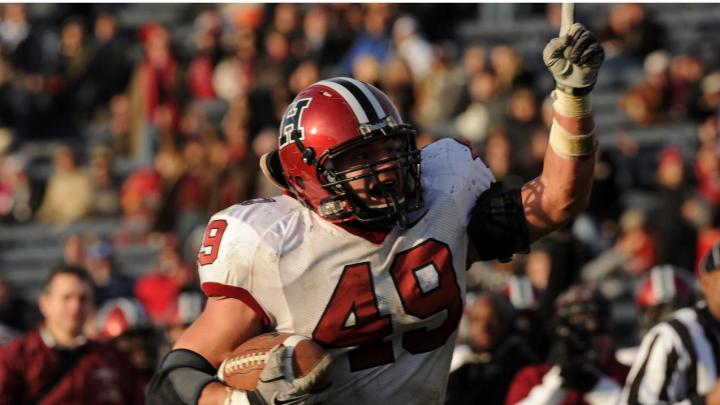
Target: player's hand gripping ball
243, 367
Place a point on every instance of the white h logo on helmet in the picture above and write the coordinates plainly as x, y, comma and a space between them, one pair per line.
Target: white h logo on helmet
291, 122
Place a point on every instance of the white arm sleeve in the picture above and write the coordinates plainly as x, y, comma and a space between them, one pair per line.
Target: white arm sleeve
605, 392
550, 392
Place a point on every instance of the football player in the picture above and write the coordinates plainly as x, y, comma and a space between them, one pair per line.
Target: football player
366, 252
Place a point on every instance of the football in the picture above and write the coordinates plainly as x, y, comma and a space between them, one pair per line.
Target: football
242, 368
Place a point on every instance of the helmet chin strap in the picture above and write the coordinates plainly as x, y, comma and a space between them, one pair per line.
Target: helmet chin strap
309, 158
308, 154
393, 212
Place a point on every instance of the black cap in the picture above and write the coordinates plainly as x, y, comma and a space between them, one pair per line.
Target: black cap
583, 305
711, 260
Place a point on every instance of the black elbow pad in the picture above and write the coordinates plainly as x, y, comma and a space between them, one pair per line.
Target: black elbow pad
498, 228
181, 378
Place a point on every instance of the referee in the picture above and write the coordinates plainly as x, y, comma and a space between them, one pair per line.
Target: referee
679, 359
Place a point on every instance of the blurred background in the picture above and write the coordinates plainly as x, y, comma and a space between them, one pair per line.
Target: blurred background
124, 127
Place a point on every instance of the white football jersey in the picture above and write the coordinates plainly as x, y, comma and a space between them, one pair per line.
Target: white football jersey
388, 311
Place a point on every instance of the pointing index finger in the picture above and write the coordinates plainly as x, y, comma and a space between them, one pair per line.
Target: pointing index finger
566, 17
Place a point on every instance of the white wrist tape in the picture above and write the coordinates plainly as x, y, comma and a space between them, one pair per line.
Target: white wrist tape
562, 141
570, 145
569, 105
236, 397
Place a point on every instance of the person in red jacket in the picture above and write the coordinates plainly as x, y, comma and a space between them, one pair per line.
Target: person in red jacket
56, 363
581, 367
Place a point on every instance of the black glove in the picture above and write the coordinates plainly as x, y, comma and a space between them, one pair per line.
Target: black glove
578, 360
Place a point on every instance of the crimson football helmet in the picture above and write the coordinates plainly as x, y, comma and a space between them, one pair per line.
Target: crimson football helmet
119, 316
664, 289
333, 119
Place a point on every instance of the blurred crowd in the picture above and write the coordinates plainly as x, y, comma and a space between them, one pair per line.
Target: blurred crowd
159, 126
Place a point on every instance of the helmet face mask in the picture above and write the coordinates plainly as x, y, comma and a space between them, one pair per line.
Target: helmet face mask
346, 154
377, 174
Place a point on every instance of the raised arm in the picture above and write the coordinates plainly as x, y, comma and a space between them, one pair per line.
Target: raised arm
563, 189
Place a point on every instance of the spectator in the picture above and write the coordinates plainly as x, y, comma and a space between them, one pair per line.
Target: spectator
142, 193
109, 70
485, 366
106, 201
74, 251
109, 282
707, 172
440, 97
508, 65
474, 60
374, 39
708, 100
322, 44
305, 74
277, 61
678, 357
597, 226
410, 45
68, 195
685, 75
153, 92
235, 76
648, 102
15, 312
676, 237
20, 39
521, 120
233, 181
185, 205
207, 55
57, 363
15, 186
124, 323
73, 61
158, 290
368, 69
534, 288
286, 18
581, 368
397, 83
115, 133
633, 251
498, 156
630, 32
475, 122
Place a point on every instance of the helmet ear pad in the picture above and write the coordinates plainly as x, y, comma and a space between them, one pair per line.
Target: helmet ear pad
272, 169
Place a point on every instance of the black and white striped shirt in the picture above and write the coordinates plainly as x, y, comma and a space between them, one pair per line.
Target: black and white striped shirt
678, 361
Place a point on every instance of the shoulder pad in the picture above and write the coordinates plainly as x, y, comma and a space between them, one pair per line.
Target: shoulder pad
261, 213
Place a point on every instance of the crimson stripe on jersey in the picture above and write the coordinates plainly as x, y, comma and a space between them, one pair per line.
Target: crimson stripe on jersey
221, 290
